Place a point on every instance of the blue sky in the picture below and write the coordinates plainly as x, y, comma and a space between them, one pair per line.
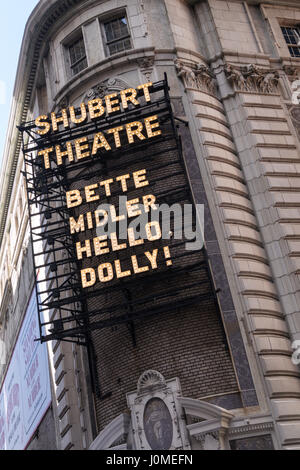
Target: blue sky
13, 18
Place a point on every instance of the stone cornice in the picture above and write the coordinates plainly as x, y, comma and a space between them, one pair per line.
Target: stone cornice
109, 63
285, 3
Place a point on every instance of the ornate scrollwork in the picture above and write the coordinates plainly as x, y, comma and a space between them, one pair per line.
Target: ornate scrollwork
196, 75
115, 84
146, 62
149, 380
64, 103
146, 65
252, 78
291, 72
209, 441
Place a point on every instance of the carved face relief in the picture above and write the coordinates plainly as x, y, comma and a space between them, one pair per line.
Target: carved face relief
295, 115
158, 425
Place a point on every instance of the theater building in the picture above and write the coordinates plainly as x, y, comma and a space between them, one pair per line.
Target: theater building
144, 343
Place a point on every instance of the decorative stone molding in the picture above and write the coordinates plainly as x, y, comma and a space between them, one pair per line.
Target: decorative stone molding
251, 428
64, 103
212, 426
196, 75
113, 435
149, 381
251, 78
293, 73
209, 441
114, 84
158, 421
294, 111
146, 65
6, 303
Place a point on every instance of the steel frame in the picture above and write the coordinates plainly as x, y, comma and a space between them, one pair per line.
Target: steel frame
62, 303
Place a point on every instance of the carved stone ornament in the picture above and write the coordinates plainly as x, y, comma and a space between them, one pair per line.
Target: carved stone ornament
146, 65
106, 87
196, 75
252, 78
64, 103
150, 380
157, 418
294, 111
146, 62
209, 441
291, 72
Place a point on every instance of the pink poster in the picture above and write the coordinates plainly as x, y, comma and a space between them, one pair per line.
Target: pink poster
26, 394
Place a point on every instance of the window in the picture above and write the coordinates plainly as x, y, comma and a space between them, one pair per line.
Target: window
292, 39
78, 60
117, 36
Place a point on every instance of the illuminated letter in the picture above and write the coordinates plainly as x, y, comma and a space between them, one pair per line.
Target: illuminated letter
131, 98
109, 103
89, 220
136, 267
80, 148
84, 249
152, 258
113, 215
123, 179
92, 275
45, 125
116, 131
94, 106
114, 243
137, 132
73, 198
105, 217
151, 237
150, 126
110, 272
57, 120
100, 245
140, 179
133, 208
78, 226
107, 184
119, 271
45, 154
146, 87
90, 193
99, 142
149, 201
132, 239
60, 154
73, 114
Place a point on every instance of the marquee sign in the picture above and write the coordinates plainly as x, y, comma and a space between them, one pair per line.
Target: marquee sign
97, 176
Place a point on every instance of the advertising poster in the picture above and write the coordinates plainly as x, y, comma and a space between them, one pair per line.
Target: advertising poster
26, 394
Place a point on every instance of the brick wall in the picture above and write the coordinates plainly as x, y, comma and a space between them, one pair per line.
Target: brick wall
188, 344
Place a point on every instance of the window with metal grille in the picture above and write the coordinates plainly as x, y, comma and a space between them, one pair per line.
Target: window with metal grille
78, 59
292, 39
117, 35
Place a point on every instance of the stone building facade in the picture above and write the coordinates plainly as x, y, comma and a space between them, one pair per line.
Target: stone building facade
218, 374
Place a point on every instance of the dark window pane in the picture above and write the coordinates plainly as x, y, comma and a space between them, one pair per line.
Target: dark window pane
79, 66
78, 56
117, 35
292, 38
